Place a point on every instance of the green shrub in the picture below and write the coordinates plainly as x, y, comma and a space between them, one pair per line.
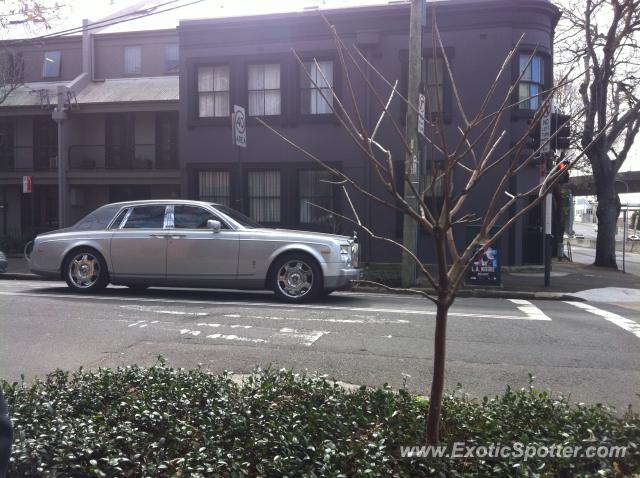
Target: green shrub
165, 422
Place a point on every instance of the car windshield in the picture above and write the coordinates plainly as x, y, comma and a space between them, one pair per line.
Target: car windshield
238, 217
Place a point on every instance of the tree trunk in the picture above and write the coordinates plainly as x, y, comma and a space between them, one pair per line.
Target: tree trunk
437, 383
607, 213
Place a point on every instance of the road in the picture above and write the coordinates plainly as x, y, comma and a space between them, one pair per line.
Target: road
354, 337
586, 255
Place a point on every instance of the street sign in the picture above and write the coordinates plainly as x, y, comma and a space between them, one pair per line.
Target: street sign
422, 107
239, 126
545, 129
26, 184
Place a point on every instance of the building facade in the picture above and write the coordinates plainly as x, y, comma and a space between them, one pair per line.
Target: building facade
139, 127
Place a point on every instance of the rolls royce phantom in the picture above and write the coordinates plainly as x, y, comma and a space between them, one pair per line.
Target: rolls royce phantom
193, 244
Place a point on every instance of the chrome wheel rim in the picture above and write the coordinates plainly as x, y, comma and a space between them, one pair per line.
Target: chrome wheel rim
84, 270
295, 279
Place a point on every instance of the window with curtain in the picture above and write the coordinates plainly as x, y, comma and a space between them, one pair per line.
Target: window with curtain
214, 186
313, 190
264, 195
264, 89
213, 91
434, 75
51, 64
171, 58
132, 60
532, 82
316, 96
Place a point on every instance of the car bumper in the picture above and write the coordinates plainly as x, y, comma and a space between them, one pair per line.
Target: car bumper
341, 278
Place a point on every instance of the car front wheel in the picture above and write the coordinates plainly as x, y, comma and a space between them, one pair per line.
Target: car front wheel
85, 271
296, 278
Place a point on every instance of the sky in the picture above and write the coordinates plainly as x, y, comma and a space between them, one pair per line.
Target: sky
74, 11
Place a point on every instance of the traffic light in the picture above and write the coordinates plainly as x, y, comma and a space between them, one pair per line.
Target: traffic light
560, 126
563, 166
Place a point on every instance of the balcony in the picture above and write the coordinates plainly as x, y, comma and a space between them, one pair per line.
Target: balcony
29, 158
127, 157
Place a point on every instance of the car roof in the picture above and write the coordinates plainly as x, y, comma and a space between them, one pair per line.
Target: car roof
163, 201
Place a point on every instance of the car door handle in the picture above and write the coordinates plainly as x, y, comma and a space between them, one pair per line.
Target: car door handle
159, 236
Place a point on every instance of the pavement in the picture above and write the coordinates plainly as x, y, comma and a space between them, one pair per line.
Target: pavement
567, 279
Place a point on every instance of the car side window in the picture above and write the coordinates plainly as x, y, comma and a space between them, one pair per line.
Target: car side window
146, 217
193, 217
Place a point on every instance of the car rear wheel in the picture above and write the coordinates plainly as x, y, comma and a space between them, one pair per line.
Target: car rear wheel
85, 271
296, 278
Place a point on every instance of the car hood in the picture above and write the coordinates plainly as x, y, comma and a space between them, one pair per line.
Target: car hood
293, 235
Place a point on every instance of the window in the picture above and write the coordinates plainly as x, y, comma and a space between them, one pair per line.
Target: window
51, 64
264, 89
192, 217
316, 96
171, 58
314, 190
532, 82
434, 75
213, 91
213, 186
264, 196
7, 131
145, 217
132, 60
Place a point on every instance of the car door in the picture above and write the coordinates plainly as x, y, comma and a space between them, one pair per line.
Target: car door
139, 243
195, 251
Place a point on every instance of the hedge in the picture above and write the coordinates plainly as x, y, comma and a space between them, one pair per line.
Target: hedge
161, 421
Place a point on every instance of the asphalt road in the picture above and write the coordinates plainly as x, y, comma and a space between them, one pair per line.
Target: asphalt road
591, 354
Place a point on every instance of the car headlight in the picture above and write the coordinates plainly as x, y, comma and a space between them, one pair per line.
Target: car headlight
344, 249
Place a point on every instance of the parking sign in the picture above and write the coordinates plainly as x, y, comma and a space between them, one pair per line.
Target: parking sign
239, 126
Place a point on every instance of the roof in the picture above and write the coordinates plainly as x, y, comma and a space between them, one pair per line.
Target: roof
34, 94
123, 90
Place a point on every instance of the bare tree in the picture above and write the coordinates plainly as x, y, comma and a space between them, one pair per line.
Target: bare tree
600, 39
478, 150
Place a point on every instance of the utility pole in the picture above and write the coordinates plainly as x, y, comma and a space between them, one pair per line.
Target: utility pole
59, 115
411, 169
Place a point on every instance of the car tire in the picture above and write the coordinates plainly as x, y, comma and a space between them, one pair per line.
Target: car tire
296, 278
84, 270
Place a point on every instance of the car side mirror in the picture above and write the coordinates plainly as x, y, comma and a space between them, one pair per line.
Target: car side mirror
214, 225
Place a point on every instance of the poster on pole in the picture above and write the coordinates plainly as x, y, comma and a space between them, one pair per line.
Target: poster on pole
485, 265
239, 126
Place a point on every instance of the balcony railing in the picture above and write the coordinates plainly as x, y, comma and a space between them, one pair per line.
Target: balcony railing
134, 156
28, 158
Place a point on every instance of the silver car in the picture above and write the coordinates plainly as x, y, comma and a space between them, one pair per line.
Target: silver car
193, 244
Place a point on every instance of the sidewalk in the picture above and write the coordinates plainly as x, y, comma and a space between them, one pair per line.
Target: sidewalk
517, 283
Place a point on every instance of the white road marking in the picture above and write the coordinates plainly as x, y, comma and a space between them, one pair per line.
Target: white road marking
342, 321
204, 324
305, 337
144, 308
235, 337
531, 311
195, 333
626, 324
